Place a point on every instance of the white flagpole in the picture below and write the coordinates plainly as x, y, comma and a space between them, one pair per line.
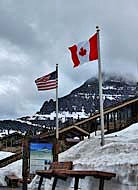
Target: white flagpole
57, 133
100, 89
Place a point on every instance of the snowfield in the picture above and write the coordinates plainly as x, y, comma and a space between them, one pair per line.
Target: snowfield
119, 155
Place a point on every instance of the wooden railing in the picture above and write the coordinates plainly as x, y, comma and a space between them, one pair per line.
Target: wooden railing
10, 159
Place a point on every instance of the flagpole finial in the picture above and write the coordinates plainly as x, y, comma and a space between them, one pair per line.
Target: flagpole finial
97, 28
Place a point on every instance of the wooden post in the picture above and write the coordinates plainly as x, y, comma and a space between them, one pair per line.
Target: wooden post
54, 183
89, 126
117, 119
114, 116
111, 116
123, 112
108, 122
56, 151
120, 118
94, 123
105, 121
76, 185
6, 145
137, 110
25, 167
40, 183
101, 185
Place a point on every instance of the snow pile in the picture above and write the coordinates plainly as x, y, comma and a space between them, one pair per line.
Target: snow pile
5, 154
129, 134
14, 168
119, 155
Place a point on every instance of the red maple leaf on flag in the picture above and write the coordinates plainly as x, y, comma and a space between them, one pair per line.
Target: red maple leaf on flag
82, 51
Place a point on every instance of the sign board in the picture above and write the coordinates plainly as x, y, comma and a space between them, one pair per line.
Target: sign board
41, 156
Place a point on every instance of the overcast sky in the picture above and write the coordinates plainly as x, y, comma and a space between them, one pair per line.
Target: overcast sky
35, 36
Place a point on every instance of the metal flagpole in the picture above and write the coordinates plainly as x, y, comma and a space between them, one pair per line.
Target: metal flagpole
100, 89
57, 132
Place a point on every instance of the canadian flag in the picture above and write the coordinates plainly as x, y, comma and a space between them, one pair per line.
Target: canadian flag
84, 51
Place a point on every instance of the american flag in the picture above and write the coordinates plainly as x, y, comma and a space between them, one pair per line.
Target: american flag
47, 82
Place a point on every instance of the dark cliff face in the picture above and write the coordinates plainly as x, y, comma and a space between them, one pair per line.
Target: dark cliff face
87, 96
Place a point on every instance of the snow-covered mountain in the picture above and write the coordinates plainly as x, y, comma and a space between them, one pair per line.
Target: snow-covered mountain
86, 97
84, 101
80, 103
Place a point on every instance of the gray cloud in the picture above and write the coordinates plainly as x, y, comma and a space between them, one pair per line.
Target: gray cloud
35, 36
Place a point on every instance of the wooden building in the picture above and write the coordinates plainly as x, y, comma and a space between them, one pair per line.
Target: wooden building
116, 118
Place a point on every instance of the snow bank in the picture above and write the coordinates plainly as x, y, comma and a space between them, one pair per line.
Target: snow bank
119, 155
4, 154
14, 168
129, 134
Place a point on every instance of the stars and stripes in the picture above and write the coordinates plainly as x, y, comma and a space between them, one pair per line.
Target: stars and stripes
47, 82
